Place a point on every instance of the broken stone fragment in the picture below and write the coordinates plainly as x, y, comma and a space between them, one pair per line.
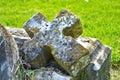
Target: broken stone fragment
68, 53
99, 66
20, 36
20, 41
50, 74
89, 43
17, 32
9, 55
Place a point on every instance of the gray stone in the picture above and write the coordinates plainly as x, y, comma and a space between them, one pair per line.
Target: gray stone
33, 26
99, 66
69, 54
97, 69
9, 55
20, 36
49, 74
17, 32
82, 58
67, 22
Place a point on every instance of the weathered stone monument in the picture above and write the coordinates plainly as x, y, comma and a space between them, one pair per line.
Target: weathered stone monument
56, 51
9, 55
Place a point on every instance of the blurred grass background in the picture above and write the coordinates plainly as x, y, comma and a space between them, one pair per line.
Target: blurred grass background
100, 18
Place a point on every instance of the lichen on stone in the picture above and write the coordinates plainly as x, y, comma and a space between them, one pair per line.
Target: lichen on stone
59, 35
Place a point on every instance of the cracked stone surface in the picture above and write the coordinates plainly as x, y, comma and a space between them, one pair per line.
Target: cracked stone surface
59, 36
9, 55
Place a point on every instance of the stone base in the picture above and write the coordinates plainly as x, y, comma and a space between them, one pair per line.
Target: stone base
91, 72
102, 74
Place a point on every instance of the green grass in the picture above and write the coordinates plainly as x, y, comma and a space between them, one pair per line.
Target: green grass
100, 18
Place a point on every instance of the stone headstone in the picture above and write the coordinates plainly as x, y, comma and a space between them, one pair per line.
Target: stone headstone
9, 55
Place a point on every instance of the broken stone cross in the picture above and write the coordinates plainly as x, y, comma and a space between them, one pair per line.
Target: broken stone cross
82, 58
59, 36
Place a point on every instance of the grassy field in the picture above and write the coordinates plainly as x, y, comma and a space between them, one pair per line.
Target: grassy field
100, 18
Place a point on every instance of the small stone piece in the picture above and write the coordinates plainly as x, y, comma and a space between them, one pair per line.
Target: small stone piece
49, 74
17, 32
9, 55
20, 36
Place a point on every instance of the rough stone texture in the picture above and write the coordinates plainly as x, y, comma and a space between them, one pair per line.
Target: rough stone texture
20, 36
50, 74
34, 24
99, 66
76, 55
65, 22
17, 32
9, 55
103, 73
71, 55
97, 69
